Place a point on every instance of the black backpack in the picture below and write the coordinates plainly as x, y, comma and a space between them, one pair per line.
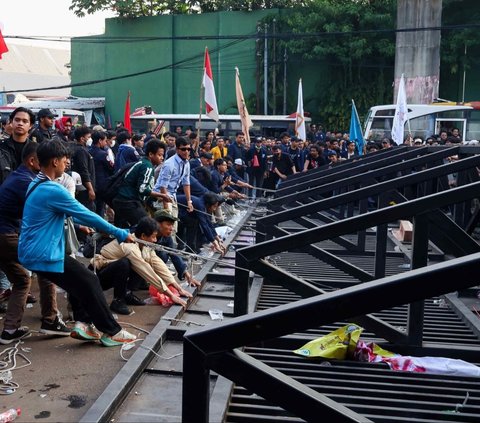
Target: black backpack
114, 182
5, 165
94, 244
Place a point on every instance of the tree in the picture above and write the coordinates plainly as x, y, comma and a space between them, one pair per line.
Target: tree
137, 8
354, 63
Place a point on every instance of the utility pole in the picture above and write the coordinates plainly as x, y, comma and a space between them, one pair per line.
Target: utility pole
274, 71
417, 53
265, 74
285, 82
259, 68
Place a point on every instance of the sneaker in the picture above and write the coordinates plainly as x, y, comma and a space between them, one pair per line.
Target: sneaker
57, 327
85, 332
20, 333
132, 299
119, 306
119, 338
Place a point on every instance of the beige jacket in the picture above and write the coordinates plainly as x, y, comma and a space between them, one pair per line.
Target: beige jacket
143, 261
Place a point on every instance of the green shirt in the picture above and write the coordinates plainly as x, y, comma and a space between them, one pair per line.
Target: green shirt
138, 182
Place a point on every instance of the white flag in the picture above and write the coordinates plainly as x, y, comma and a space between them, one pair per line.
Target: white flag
242, 108
300, 117
210, 98
401, 111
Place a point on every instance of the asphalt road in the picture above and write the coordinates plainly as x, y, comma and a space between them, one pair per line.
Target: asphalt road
66, 375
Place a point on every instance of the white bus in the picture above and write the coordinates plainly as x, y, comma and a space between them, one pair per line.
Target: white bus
77, 116
228, 125
424, 120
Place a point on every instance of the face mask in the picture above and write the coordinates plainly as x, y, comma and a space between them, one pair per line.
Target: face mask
89, 142
113, 144
258, 147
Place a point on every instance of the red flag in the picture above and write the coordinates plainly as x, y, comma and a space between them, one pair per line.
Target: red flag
126, 117
3, 46
210, 99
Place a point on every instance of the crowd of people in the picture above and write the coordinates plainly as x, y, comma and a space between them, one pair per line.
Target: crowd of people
129, 201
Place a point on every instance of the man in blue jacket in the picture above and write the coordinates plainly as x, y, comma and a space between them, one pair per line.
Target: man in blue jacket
126, 151
12, 198
41, 248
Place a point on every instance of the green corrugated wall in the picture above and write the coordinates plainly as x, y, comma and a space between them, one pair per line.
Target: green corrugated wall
167, 91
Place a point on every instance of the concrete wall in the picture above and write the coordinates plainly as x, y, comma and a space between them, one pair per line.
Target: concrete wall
417, 54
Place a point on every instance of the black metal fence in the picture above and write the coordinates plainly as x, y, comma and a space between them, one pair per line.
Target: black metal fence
217, 349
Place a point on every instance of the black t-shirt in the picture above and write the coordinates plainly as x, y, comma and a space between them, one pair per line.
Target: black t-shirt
314, 163
284, 164
18, 151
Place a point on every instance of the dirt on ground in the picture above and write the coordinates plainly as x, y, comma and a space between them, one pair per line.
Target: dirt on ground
66, 375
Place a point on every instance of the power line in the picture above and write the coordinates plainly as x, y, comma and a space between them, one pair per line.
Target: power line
130, 75
236, 39
285, 35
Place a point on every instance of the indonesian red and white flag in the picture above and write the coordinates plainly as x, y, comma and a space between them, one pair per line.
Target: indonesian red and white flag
3, 46
300, 115
242, 108
210, 99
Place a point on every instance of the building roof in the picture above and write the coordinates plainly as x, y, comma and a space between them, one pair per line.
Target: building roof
26, 67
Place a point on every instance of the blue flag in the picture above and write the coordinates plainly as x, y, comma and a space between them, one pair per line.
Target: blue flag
356, 134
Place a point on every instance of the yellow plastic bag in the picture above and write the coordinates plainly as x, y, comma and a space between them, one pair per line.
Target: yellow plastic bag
338, 344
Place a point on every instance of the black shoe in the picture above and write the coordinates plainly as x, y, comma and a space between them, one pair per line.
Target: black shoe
20, 333
143, 286
58, 327
132, 299
119, 306
31, 299
139, 286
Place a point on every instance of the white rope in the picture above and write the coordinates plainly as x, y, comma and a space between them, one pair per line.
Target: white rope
8, 363
186, 254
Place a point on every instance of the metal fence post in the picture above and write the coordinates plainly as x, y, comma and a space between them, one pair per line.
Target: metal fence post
419, 259
195, 385
241, 285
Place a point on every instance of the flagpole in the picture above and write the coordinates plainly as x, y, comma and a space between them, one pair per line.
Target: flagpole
408, 120
201, 101
358, 119
200, 114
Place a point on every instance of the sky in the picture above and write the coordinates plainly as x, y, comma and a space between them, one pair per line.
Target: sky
47, 18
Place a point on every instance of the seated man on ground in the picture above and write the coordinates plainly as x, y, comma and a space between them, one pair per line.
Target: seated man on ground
143, 260
41, 248
116, 275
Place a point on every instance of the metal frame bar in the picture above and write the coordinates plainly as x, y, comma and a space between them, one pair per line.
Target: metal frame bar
265, 222
340, 167
211, 348
271, 384
410, 160
363, 221
340, 305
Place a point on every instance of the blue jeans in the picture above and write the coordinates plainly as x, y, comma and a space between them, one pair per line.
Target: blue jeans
4, 282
